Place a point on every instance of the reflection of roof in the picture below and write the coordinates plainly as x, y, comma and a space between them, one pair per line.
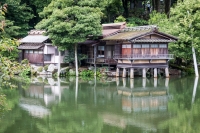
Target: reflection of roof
34, 39
35, 110
31, 46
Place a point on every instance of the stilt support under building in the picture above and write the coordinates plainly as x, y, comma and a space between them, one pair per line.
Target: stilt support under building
155, 75
144, 72
166, 72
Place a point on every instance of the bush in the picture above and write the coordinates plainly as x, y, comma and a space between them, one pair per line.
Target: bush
46, 67
25, 61
87, 73
40, 69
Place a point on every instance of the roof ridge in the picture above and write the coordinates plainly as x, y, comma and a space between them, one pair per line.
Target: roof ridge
36, 32
140, 28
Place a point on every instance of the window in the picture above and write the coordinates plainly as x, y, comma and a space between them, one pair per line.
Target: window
56, 51
30, 51
47, 57
40, 52
145, 45
26, 51
36, 51
163, 46
154, 45
100, 51
126, 46
136, 46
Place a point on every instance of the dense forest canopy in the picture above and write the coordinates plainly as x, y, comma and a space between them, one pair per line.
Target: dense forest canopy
22, 15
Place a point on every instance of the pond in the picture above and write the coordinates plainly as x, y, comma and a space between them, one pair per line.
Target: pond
106, 105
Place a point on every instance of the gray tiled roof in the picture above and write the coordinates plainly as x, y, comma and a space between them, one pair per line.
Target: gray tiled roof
30, 46
34, 39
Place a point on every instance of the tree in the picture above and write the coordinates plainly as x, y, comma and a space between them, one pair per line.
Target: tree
69, 22
183, 23
17, 17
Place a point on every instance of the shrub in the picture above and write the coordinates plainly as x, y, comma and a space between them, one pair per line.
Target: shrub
46, 67
25, 61
87, 73
40, 69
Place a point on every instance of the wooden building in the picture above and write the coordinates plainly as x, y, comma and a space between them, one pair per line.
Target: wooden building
97, 51
130, 48
38, 49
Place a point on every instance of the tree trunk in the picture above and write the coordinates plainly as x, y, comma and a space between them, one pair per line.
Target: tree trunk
59, 62
125, 6
157, 5
76, 60
167, 7
153, 5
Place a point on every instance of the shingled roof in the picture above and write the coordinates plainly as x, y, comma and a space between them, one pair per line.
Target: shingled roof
34, 40
35, 36
135, 34
31, 46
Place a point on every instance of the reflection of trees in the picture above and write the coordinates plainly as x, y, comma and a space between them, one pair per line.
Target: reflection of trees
186, 117
71, 119
8, 99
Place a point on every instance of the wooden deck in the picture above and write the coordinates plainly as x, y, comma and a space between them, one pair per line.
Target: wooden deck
144, 56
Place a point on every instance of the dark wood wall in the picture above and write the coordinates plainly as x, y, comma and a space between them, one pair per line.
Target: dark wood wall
34, 58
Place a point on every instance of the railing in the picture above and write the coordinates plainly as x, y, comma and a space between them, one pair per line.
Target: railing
107, 60
145, 56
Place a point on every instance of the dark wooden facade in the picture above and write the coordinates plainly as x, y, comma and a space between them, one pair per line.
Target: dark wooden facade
137, 47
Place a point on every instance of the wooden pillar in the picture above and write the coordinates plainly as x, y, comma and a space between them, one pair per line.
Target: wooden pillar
124, 73
117, 72
131, 83
144, 72
155, 73
166, 72
132, 73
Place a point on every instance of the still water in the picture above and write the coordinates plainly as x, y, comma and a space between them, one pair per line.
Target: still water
110, 105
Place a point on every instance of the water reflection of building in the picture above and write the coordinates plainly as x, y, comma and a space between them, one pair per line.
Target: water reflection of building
147, 96
41, 93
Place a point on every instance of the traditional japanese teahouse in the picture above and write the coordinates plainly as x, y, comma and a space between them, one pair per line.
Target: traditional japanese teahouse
38, 49
141, 47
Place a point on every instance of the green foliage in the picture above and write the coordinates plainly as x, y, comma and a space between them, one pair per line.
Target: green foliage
8, 48
70, 22
87, 73
11, 68
110, 9
40, 69
25, 61
18, 16
183, 23
135, 21
120, 19
70, 58
46, 67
